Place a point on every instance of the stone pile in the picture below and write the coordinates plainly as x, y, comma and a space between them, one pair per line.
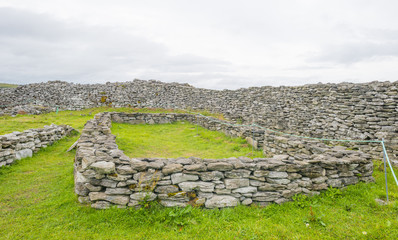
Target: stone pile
105, 176
17, 145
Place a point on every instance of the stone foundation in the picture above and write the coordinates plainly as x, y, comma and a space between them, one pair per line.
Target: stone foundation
105, 176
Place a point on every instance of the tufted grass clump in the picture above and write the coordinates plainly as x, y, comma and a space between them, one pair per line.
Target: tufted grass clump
180, 139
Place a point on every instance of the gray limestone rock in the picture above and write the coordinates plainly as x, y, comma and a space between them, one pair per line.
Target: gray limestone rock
244, 190
172, 168
141, 196
103, 167
220, 166
169, 203
118, 191
240, 173
23, 154
138, 165
221, 201
236, 183
101, 205
247, 201
196, 167
200, 186
182, 177
211, 176
115, 199
167, 189
273, 174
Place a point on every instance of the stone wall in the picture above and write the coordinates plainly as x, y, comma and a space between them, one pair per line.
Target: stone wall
343, 111
17, 145
276, 144
105, 176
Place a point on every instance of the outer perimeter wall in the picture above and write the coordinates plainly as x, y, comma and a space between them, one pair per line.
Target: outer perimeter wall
346, 110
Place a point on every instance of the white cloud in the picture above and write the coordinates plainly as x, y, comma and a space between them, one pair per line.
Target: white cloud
213, 44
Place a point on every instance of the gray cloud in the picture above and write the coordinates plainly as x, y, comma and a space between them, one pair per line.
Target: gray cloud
355, 52
363, 44
36, 47
211, 44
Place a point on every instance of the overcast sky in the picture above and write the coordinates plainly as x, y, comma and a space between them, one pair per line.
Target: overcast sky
212, 44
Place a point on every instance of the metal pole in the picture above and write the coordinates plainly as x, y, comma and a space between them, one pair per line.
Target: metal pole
389, 163
385, 171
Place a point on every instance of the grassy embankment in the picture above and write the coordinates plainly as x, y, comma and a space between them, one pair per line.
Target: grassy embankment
37, 202
7, 85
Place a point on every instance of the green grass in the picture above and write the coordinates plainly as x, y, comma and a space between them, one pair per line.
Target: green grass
37, 202
8, 85
179, 139
76, 119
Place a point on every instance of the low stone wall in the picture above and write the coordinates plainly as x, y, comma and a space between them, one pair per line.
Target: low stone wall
17, 145
105, 176
276, 144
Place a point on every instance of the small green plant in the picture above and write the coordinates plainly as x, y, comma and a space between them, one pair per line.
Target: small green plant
147, 188
301, 200
145, 201
333, 193
327, 142
314, 220
103, 99
349, 207
236, 149
179, 216
239, 121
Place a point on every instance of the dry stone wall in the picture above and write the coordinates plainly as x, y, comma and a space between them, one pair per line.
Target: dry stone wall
343, 111
105, 176
17, 145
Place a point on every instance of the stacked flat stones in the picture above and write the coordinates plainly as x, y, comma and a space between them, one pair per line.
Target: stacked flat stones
105, 176
342, 111
17, 145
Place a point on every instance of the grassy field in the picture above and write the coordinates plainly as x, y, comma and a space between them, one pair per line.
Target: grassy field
37, 202
7, 85
76, 119
180, 139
